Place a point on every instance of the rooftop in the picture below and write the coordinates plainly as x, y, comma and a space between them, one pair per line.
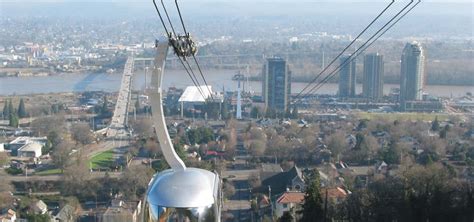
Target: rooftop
291, 197
31, 147
193, 94
27, 139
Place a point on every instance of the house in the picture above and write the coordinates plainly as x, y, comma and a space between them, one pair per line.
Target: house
279, 183
22, 140
39, 207
289, 201
121, 211
334, 194
19, 142
66, 214
382, 167
30, 150
8, 216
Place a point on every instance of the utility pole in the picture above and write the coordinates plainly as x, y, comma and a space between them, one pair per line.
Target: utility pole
270, 198
146, 72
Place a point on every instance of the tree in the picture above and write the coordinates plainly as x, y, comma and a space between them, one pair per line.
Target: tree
11, 110
82, 134
6, 111
337, 144
61, 155
270, 113
142, 127
444, 132
254, 180
313, 203
435, 125
77, 178
257, 147
13, 120
6, 199
21, 109
255, 112
3, 158
38, 217
134, 181
229, 189
286, 217
137, 105
225, 114
294, 113
391, 154
45, 125
46, 148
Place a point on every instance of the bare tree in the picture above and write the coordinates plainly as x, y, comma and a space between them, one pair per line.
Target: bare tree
3, 158
229, 189
257, 147
254, 180
61, 154
134, 181
44, 125
142, 127
6, 199
77, 178
337, 144
82, 133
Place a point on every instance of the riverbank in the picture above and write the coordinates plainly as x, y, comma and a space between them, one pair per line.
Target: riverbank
218, 79
469, 81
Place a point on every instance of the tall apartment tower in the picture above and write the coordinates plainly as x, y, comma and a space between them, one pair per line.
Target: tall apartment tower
412, 75
347, 77
276, 84
372, 85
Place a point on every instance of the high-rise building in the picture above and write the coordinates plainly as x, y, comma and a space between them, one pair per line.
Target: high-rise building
412, 76
276, 84
372, 85
347, 77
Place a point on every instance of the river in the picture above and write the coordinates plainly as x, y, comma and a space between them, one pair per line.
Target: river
219, 79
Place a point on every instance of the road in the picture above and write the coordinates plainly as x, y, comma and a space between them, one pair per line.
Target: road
57, 177
117, 127
239, 204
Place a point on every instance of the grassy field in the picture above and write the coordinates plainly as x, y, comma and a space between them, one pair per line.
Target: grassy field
402, 116
104, 159
48, 172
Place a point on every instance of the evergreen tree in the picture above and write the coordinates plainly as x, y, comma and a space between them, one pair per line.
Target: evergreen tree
286, 217
6, 111
435, 125
22, 110
225, 110
255, 112
11, 110
13, 121
287, 114
313, 203
294, 113
104, 106
137, 106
